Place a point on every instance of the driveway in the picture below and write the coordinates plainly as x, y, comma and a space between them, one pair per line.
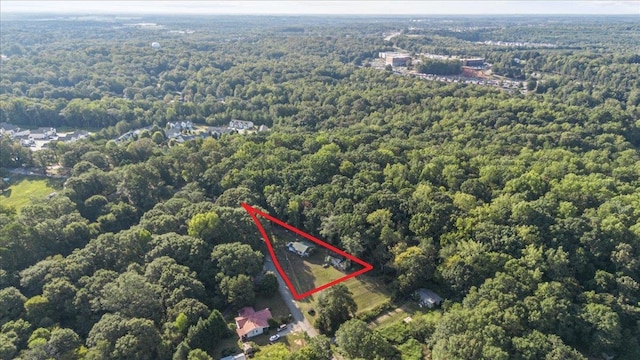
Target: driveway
300, 323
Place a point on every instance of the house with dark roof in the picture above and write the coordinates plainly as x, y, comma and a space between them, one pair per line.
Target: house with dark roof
250, 323
301, 248
217, 131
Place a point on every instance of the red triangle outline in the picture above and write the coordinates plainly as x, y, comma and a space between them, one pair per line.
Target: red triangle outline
253, 212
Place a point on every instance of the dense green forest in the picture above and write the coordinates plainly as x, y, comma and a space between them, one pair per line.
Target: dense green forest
523, 210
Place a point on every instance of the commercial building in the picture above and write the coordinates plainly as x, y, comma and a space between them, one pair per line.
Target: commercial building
473, 62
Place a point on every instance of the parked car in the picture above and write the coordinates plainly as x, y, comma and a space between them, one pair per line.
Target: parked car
282, 327
274, 337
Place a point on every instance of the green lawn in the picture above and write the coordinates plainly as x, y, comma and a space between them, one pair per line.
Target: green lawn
368, 292
398, 314
308, 273
25, 189
295, 341
275, 304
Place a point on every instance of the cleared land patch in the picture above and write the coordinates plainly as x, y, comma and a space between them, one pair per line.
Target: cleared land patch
309, 272
25, 189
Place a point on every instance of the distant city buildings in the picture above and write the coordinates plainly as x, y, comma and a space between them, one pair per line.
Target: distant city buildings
477, 63
403, 59
517, 44
395, 58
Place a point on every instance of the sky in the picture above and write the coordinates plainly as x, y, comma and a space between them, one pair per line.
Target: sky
363, 7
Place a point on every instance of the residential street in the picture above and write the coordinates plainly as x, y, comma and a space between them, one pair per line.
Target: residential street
299, 321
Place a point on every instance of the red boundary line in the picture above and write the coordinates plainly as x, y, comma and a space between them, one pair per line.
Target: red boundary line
253, 212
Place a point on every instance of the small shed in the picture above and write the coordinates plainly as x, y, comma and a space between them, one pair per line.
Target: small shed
428, 298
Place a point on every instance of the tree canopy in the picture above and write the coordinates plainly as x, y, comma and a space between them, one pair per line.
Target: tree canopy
512, 190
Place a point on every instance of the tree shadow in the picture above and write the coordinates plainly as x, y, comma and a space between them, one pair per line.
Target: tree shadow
373, 285
297, 270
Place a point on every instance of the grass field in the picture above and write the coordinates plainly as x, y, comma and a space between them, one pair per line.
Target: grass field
24, 189
406, 310
308, 273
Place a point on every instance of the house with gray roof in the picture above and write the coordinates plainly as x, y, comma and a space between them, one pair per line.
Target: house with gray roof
301, 248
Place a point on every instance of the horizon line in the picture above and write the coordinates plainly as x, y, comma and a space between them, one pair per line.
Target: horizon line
327, 7
98, 14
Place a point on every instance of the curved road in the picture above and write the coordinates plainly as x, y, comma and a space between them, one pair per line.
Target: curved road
300, 323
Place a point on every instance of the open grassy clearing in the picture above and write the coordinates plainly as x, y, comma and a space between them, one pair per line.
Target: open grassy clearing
367, 293
308, 273
305, 273
398, 314
295, 341
25, 189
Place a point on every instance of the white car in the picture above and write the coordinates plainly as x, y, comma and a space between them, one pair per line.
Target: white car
274, 337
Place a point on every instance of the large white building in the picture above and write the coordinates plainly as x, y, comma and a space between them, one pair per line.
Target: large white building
397, 60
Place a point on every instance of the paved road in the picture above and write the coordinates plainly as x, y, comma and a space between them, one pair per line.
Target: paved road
299, 321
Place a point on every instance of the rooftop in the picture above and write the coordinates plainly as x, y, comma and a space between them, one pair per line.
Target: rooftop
300, 247
248, 319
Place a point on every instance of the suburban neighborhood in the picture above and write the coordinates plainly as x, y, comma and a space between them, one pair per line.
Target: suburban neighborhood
181, 131
37, 139
178, 131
